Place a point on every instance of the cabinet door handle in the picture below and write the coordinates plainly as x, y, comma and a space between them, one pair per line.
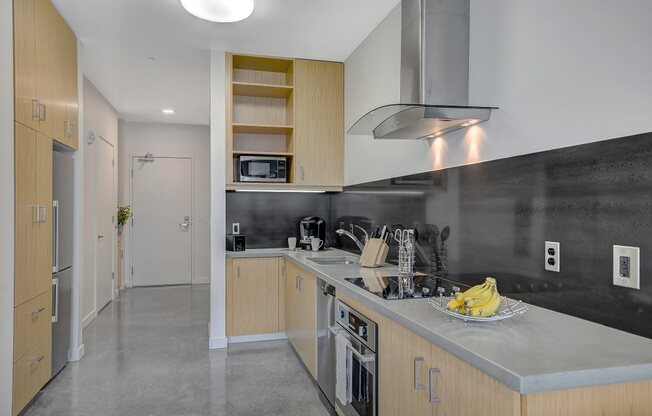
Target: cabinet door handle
302, 173
44, 219
433, 385
417, 366
36, 311
43, 115
36, 209
36, 109
300, 281
237, 272
296, 282
38, 360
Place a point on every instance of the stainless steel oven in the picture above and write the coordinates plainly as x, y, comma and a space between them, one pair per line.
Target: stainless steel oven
362, 333
260, 169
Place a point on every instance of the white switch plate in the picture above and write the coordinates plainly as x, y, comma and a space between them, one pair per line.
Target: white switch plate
634, 255
552, 256
235, 228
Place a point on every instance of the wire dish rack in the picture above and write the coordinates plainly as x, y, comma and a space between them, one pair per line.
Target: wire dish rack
509, 308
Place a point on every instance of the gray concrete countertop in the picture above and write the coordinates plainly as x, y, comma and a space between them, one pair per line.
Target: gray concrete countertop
540, 351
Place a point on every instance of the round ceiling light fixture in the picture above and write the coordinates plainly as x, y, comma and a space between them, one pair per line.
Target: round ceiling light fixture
221, 11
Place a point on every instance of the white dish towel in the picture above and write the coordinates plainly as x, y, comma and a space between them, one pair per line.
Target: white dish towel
343, 369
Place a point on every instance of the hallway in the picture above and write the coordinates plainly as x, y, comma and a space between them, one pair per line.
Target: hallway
147, 354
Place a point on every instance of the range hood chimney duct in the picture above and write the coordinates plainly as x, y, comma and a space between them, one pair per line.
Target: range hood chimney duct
434, 75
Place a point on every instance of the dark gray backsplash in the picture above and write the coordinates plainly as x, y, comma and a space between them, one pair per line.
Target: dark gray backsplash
267, 219
587, 197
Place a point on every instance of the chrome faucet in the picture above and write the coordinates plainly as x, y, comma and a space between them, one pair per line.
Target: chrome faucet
352, 236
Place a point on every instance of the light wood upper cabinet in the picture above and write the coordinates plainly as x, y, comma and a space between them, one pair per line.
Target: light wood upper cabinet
45, 67
253, 287
25, 62
319, 123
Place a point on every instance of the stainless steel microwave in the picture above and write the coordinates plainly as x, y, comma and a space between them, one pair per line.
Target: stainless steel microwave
260, 169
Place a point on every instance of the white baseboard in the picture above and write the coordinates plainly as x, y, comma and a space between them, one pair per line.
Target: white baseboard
275, 336
89, 318
76, 354
217, 343
201, 280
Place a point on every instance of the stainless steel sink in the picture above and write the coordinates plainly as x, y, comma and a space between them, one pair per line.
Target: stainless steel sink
334, 261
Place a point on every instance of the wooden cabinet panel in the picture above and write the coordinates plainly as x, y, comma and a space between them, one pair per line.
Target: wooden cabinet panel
30, 374
631, 399
44, 201
26, 226
32, 324
72, 99
281, 294
25, 61
254, 296
58, 68
307, 314
406, 358
319, 123
291, 304
46, 18
466, 391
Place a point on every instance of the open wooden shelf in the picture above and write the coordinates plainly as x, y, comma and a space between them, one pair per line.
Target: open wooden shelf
254, 89
237, 153
261, 129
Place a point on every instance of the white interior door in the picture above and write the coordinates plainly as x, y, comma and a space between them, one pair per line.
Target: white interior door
161, 228
104, 215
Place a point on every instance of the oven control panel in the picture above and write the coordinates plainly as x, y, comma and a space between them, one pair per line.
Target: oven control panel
356, 324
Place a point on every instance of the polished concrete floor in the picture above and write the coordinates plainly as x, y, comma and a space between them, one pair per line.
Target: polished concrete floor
147, 354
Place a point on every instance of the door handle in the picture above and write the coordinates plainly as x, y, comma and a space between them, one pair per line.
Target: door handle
300, 280
36, 109
185, 225
55, 304
43, 219
99, 237
43, 115
237, 274
433, 385
55, 236
36, 209
417, 366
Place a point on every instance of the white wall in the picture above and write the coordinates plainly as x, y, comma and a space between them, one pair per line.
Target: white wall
217, 324
562, 72
6, 205
172, 140
101, 118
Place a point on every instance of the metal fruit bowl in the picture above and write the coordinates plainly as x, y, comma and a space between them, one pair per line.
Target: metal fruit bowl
509, 308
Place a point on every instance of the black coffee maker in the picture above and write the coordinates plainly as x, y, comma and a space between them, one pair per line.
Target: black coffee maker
311, 227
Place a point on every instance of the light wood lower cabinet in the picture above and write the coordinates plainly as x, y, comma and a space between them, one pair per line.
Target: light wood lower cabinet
30, 374
253, 296
32, 323
301, 314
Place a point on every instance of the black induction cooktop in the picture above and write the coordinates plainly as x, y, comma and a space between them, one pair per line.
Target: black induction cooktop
425, 286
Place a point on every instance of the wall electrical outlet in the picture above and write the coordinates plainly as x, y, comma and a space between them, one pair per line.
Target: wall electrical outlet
235, 228
626, 267
552, 256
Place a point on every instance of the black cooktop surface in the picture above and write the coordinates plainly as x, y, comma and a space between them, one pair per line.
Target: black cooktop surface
425, 286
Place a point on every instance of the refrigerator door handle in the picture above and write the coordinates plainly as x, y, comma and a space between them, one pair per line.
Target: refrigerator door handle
55, 301
55, 236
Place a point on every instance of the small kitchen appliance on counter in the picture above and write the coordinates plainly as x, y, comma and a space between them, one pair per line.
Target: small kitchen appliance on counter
235, 242
311, 227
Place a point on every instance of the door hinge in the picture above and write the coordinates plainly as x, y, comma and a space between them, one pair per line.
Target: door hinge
112, 275
113, 219
113, 163
132, 271
132, 221
132, 173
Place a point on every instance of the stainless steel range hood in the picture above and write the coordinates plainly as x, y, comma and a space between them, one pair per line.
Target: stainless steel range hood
434, 75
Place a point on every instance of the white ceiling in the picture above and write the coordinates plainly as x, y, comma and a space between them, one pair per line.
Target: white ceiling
120, 36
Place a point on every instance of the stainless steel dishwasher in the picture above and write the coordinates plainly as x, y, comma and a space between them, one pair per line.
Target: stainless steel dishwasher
326, 343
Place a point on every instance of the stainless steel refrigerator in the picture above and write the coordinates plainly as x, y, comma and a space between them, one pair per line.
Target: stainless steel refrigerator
62, 257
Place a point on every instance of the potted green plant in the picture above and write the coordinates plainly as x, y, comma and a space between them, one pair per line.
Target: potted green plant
124, 214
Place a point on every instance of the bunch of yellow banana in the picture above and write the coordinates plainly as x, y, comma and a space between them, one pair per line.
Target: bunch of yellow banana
481, 300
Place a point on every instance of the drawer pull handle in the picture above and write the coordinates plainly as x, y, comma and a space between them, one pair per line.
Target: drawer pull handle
38, 310
38, 360
433, 386
417, 365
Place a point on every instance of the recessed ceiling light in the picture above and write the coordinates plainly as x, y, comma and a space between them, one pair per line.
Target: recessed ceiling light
221, 11
168, 111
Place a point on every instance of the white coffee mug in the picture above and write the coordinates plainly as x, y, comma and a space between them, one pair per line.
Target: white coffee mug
292, 243
316, 243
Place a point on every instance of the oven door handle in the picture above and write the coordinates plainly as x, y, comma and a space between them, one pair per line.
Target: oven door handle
366, 358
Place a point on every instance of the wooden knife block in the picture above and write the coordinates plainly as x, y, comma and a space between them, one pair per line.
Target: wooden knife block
374, 253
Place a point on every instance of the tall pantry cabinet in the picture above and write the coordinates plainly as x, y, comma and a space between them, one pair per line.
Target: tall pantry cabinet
46, 111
